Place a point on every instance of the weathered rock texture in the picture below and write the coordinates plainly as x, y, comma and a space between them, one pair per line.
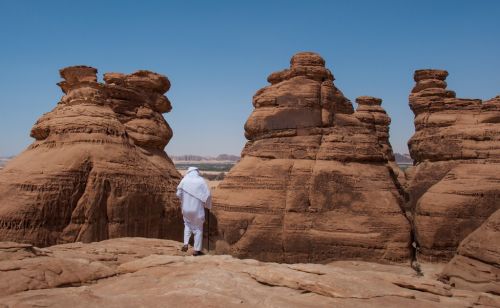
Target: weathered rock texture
138, 272
314, 181
97, 168
455, 184
476, 265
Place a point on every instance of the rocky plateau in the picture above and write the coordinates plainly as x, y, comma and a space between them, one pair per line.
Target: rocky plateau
140, 272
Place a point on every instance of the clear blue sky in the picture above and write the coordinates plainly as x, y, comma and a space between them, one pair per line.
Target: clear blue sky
218, 53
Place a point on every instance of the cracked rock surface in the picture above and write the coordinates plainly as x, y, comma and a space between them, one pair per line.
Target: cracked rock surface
132, 272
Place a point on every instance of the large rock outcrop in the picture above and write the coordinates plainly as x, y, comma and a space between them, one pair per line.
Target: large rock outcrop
455, 183
97, 168
476, 265
314, 181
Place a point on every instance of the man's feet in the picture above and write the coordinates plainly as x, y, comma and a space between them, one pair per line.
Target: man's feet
184, 248
198, 253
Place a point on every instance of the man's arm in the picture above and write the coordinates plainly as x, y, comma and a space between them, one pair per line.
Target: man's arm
179, 193
208, 203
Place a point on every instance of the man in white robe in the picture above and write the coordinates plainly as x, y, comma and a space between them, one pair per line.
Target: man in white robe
195, 195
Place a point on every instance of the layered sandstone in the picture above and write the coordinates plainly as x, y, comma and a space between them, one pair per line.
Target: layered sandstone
97, 168
314, 181
455, 184
476, 265
139, 272
371, 113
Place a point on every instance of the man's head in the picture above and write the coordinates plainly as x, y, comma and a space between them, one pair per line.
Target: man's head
192, 169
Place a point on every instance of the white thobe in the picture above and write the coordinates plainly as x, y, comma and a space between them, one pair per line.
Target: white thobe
193, 212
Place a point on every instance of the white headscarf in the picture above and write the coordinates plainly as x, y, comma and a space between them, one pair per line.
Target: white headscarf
195, 185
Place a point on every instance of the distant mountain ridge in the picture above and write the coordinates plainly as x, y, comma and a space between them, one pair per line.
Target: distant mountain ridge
199, 158
404, 159
400, 158
4, 160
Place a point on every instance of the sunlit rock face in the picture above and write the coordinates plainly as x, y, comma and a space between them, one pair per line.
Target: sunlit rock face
315, 181
476, 265
97, 168
455, 183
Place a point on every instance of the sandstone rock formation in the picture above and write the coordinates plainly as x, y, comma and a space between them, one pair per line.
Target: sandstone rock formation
476, 265
139, 272
455, 184
97, 168
371, 113
314, 181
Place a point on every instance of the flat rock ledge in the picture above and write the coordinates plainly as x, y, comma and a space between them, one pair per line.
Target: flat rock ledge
132, 272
